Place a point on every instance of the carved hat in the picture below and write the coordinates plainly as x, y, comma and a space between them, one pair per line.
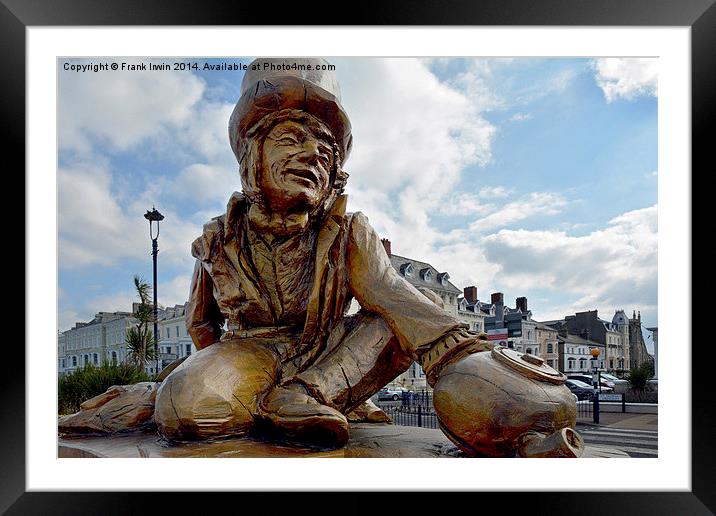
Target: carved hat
274, 84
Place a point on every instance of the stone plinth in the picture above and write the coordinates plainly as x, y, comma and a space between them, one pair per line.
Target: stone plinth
368, 440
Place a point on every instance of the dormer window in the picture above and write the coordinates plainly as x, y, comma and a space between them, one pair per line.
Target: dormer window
443, 278
426, 274
407, 270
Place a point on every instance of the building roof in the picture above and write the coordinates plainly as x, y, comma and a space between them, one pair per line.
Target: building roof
577, 340
400, 264
171, 312
543, 326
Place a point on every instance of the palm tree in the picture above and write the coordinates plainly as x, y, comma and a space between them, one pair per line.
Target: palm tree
140, 339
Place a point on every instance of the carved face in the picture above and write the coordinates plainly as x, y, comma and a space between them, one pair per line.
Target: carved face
296, 166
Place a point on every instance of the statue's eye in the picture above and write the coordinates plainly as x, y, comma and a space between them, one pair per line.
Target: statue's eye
287, 139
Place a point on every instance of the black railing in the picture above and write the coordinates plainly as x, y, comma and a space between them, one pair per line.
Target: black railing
415, 415
417, 398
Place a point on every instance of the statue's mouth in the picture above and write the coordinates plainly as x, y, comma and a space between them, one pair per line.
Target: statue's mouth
306, 174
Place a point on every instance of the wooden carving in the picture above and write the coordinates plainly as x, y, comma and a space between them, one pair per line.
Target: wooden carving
280, 267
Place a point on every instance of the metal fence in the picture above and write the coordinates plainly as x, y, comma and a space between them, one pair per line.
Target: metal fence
415, 415
588, 409
417, 398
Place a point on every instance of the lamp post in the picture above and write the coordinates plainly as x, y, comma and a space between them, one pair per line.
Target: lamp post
595, 369
154, 217
595, 382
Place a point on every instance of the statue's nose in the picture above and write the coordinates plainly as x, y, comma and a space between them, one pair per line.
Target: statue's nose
309, 150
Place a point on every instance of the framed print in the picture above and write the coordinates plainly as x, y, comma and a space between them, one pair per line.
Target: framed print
479, 185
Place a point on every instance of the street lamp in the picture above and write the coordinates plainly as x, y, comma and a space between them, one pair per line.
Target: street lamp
154, 216
595, 370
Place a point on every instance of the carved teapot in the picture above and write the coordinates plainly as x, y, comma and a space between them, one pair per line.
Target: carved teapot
503, 403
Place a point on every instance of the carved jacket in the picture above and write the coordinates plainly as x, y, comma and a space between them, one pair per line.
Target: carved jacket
347, 260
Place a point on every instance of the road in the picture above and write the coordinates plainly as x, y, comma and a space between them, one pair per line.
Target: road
636, 443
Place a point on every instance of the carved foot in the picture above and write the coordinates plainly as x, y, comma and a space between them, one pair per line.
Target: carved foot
120, 408
290, 413
368, 412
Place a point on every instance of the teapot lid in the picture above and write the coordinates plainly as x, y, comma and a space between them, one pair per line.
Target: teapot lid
527, 364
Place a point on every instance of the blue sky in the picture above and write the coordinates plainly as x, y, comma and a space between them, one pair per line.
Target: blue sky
533, 177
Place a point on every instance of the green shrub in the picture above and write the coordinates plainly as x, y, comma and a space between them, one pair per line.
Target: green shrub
639, 378
89, 381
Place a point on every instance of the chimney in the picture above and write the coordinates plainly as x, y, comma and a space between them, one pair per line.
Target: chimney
639, 315
470, 294
521, 303
497, 298
386, 245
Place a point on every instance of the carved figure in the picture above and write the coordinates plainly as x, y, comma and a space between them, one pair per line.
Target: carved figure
281, 267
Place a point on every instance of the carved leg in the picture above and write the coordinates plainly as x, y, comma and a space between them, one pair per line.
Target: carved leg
362, 355
215, 392
365, 356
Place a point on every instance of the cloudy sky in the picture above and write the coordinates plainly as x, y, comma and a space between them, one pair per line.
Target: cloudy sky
532, 177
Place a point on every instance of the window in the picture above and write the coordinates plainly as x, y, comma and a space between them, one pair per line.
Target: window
114, 357
582, 363
167, 332
550, 348
188, 349
529, 351
177, 331
74, 361
95, 359
570, 363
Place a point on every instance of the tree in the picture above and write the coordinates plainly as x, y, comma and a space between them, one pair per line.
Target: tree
140, 339
638, 378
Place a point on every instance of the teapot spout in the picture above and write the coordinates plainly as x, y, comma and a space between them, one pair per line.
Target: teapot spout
565, 442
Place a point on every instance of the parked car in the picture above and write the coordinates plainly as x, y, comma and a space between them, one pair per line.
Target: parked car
390, 393
582, 390
606, 384
614, 379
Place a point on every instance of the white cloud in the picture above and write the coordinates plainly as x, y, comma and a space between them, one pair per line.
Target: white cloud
205, 183
175, 291
537, 203
413, 137
626, 78
615, 267
520, 117
94, 228
492, 192
120, 109
466, 204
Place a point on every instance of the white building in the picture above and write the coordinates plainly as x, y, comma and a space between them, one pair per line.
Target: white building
516, 322
174, 340
548, 340
94, 342
103, 339
472, 311
575, 354
432, 282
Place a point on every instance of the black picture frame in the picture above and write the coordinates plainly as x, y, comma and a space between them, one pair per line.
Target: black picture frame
17, 15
